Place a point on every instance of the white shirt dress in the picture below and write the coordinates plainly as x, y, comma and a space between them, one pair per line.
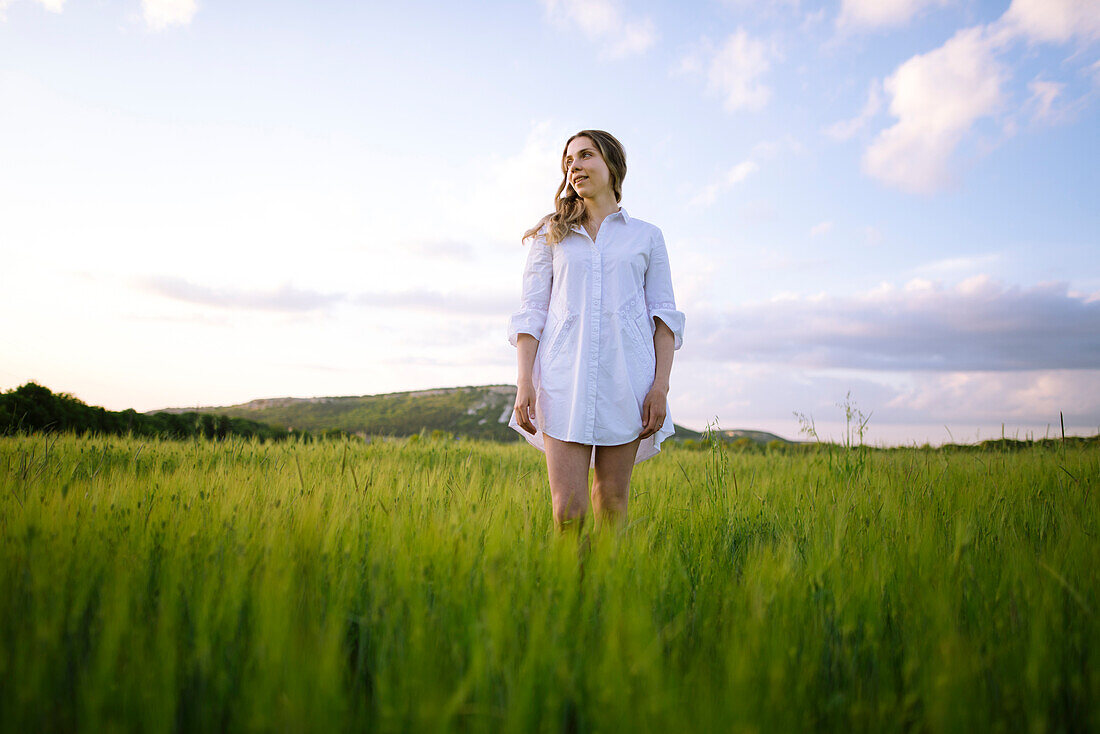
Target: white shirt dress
592, 305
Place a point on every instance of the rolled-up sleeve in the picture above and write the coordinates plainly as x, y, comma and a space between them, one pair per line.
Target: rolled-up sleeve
659, 299
538, 276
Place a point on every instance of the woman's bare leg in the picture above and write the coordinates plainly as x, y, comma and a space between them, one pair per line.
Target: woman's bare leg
567, 467
611, 488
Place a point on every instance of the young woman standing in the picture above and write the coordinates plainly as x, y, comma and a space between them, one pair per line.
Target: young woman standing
595, 335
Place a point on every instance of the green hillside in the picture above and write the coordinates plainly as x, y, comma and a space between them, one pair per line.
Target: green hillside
472, 411
763, 437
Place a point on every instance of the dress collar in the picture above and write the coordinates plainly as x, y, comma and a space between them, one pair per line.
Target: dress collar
621, 212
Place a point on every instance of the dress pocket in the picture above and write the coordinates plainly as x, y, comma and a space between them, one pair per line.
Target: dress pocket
631, 315
560, 337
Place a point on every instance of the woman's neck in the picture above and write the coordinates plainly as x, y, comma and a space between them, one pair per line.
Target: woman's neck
600, 207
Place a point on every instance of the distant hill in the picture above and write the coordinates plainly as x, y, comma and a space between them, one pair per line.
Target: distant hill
756, 436
34, 408
473, 411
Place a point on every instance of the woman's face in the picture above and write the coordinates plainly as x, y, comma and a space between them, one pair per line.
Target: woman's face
585, 168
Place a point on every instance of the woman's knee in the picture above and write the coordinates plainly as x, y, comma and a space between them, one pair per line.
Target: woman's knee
611, 492
569, 512
568, 504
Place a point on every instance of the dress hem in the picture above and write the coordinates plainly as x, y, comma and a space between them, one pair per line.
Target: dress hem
647, 448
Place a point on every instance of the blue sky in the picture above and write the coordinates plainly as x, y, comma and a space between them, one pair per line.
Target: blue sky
206, 203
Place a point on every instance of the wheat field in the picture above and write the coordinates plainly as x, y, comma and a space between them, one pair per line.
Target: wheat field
420, 586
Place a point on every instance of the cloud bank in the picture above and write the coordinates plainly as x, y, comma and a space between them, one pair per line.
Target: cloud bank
289, 299
978, 325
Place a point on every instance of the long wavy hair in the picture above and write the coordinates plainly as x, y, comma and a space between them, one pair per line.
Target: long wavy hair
569, 207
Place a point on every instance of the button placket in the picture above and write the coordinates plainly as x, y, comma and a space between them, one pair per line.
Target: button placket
594, 330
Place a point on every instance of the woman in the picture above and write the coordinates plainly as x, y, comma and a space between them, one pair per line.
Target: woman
594, 335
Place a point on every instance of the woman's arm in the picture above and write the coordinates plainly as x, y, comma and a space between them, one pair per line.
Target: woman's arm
538, 282
659, 299
526, 348
668, 333
656, 401
526, 325
663, 341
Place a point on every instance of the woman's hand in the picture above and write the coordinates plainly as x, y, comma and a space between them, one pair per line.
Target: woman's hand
653, 410
525, 406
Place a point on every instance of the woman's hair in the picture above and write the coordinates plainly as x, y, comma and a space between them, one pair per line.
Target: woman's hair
568, 205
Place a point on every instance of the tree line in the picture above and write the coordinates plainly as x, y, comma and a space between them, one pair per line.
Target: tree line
32, 408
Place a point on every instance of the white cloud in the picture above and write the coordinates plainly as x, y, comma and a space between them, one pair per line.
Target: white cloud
634, 38
463, 302
765, 258
1043, 94
872, 235
761, 6
954, 265
741, 171
859, 14
812, 19
821, 228
764, 150
159, 14
521, 186
936, 97
604, 21
284, 298
1032, 395
939, 95
771, 148
288, 298
735, 71
758, 210
845, 129
54, 6
770, 12
442, 249
1054, 21
905, 408
733, 176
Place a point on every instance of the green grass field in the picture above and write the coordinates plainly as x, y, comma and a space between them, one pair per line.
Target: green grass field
397, 586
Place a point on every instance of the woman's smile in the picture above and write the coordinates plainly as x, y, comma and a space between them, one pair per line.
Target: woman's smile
585, 167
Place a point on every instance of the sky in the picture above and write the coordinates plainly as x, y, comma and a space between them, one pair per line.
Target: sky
889, 203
